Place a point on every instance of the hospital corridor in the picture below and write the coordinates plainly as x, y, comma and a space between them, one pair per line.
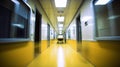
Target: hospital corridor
59, 33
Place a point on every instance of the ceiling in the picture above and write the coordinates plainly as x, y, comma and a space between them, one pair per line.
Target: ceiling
51, 12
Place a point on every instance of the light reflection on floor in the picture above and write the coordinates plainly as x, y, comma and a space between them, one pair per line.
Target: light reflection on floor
60, 55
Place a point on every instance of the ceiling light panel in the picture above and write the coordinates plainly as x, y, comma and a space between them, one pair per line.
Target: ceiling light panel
60, 29
60, 25
60, 32
60, 3
102, 2
60, 18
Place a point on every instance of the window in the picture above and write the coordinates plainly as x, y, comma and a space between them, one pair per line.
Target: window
107, 15
14, 20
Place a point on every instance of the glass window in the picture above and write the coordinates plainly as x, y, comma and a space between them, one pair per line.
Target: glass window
14, 19
107, 14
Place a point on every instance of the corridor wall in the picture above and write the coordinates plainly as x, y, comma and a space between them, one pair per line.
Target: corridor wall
101, 53
44, 43
71, 35
17, 54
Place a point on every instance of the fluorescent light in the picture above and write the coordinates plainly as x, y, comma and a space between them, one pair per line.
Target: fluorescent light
60, 25
60, 28
102, 2
60, 3
60, 32
60, 18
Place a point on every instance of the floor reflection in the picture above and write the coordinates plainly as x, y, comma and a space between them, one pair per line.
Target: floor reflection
60, 57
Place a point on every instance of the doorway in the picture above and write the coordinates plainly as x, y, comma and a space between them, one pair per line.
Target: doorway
78, 30
38, 27
48, 35
78, 33
37, 36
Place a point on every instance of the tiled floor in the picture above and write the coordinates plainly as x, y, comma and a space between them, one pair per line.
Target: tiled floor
60, 55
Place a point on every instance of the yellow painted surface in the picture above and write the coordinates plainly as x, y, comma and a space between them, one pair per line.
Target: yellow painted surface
16, 54
60, 55
53, 42
102, 53
43, 45
73, 44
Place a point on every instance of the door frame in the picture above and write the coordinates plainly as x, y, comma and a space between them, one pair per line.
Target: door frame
38, 23
78, 29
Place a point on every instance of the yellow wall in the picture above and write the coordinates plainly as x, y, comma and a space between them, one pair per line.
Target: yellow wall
16, 54
73, 44
52, 42
99, 53
102, 53
43, 45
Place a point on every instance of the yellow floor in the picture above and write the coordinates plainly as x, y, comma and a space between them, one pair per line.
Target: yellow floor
60, 55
